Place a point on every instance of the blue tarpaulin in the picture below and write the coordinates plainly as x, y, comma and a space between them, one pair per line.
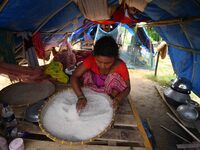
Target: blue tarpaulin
28, 15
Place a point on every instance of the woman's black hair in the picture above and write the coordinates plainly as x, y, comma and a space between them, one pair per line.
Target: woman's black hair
106, 46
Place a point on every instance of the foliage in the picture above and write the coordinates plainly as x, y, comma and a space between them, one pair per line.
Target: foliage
154, 36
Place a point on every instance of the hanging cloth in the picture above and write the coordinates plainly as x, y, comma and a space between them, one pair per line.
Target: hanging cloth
95, 9
7, 47
39, 46
114, 33
29, 50
138, 4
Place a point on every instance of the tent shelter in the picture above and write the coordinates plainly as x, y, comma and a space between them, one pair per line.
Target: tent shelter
177, 21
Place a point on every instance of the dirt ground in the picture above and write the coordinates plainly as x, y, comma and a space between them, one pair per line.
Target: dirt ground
150, 108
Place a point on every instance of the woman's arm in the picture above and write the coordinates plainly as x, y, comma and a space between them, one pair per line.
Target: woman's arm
75, 79
120, 96
22, 73
76, 85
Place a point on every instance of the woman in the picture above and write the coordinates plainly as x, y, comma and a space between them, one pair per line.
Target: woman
102, 72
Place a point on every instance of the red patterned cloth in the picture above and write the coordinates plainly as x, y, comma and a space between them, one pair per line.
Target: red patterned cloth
103, 83
39, 46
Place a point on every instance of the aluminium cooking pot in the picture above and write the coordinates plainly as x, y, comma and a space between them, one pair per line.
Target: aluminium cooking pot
175, 98
188, 112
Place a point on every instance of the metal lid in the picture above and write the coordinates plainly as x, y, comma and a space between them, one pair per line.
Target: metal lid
182, 85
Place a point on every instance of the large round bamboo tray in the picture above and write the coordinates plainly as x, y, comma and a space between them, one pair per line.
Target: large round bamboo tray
52, 99
22, 94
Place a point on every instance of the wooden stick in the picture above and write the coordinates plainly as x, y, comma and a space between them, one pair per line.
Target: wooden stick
184, 146
3, 4
157, 61
177, 135
182, 126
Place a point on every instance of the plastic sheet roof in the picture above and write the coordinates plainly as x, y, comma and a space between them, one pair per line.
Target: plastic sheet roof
28, 15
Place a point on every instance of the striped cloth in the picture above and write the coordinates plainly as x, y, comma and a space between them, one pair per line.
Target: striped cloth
104, 83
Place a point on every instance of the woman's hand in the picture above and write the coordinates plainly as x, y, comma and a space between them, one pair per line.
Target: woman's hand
81, 104
116, 101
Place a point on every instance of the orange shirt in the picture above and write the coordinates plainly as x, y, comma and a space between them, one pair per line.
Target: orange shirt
121, 69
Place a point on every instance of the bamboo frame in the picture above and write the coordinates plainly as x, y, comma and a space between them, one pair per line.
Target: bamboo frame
46, 20
66, 142
147, 143
3, 4
63, 33
170, 22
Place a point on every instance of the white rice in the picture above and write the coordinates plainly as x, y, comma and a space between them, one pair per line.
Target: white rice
60, 117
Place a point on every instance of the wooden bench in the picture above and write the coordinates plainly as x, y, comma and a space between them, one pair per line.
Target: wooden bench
127, 133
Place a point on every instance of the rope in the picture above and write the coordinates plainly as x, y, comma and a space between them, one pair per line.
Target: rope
185, 49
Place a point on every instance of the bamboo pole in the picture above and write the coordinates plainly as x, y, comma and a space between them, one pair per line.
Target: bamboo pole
157, 61
182, 126
177, 135
3, 4
63, 33
170, 22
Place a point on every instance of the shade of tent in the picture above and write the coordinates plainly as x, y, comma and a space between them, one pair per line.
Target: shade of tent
181, 31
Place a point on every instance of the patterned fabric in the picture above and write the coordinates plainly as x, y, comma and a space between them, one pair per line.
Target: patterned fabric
103, 83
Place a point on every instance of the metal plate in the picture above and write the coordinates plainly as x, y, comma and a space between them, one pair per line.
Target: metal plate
33, 110
20, 94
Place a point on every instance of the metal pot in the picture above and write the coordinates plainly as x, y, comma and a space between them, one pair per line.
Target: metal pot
188, 112
175, 98
31, 114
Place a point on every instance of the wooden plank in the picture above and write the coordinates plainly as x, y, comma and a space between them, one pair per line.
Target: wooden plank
46, 145
121, 121
120, 135
138, 148
124, 108
125, 121
188, 146
147, 143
